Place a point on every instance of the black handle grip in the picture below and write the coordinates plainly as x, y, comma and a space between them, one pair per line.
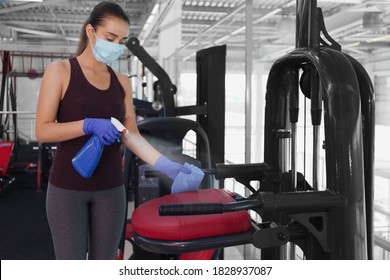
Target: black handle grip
190, 209
247, 170
207, 208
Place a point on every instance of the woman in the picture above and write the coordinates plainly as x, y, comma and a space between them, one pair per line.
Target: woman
77, 99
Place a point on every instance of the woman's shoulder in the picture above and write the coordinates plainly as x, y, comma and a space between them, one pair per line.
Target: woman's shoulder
58, 66
123, 79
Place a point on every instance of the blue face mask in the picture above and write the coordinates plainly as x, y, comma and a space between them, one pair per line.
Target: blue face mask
105, 51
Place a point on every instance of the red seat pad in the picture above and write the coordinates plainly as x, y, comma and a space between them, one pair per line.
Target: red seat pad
148, 223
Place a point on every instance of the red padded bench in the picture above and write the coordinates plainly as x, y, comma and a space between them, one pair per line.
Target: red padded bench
183, 234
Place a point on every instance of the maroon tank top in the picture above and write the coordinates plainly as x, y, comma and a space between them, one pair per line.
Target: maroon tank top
83, 100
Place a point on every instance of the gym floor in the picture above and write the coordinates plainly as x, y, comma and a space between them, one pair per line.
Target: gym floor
25, 233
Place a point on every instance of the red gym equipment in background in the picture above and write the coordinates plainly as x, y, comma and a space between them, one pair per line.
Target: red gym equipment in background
5, 155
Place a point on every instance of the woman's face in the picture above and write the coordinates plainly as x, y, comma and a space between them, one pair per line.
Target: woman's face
113, 29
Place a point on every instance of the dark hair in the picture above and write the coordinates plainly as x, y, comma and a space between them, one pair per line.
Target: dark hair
96, 18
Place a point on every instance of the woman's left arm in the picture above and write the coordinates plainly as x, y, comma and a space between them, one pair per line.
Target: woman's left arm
135, 142
139, 146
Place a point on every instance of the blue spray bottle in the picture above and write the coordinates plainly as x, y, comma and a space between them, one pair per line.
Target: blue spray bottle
87, 158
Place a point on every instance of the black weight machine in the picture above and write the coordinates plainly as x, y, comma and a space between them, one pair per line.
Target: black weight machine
336, 223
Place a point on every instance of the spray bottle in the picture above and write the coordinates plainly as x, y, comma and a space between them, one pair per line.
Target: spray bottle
87, 158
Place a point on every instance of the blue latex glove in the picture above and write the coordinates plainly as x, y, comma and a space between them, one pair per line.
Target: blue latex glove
170, 168
102, 128
186, 182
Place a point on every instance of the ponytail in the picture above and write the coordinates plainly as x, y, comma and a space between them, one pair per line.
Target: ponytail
83, 41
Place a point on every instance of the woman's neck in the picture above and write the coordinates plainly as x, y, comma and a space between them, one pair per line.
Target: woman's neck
87, 59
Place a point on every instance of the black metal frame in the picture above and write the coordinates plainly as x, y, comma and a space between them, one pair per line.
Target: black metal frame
347, 94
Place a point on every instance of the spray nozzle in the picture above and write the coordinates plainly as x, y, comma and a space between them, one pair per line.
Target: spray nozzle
118, 125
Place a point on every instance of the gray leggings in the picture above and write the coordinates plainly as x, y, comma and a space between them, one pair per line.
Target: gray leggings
86, 221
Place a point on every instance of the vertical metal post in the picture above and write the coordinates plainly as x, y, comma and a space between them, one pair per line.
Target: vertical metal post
316, 95
368, 113
248, 79
313, 32
3, 82
284, 149
211, 69
294, 155
284, 166
345, 159
294, 113
248, 93
316, 113
301, 25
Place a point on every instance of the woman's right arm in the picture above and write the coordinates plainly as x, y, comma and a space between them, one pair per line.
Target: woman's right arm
54, 83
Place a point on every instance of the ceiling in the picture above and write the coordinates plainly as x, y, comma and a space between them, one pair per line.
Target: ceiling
54, 26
